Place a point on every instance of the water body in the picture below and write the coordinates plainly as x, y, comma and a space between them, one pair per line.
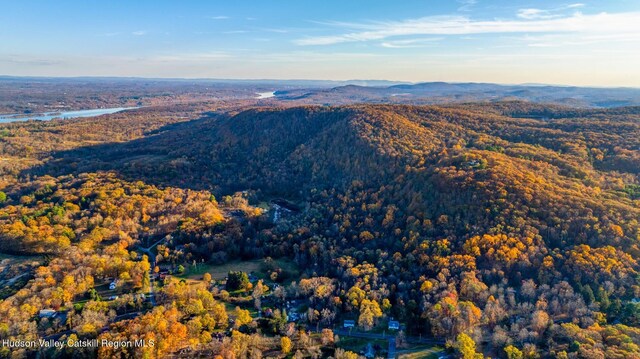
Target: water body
262, 95
48, 116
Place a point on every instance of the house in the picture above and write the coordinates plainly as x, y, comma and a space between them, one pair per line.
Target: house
349, 324
47, 313
394, 325
293, 316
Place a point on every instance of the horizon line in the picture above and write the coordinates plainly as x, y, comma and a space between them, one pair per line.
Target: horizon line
268, 80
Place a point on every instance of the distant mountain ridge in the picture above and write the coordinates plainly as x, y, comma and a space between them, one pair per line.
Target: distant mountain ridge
20, 95
444, 92
253, 82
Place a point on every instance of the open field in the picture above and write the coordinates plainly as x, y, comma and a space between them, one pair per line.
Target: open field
422, 352
357, 344
219, 272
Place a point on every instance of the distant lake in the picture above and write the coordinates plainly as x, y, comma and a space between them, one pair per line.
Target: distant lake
262, 95
48, 116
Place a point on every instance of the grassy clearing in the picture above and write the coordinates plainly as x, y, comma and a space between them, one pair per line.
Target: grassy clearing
219, 272
422, 352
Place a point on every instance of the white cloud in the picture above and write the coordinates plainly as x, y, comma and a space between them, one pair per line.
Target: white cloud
410, 43
316, 57
219, 17
625, 24
189, 57
139, 33
533, 13
530, 14
560, 41
466, 5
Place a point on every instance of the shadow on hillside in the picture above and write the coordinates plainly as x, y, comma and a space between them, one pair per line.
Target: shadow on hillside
159, 158
220, 152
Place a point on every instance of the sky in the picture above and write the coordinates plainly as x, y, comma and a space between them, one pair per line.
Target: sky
594, 43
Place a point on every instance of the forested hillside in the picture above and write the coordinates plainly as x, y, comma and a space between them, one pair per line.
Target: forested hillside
512, 227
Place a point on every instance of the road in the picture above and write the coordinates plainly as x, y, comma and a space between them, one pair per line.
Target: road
9, 282
148, 252
392, 348
152, 261
152, 293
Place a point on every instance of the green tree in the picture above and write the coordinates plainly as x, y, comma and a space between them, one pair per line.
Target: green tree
588, 295
237, 280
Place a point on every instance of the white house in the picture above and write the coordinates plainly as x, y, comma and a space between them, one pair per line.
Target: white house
47, 313
349, 324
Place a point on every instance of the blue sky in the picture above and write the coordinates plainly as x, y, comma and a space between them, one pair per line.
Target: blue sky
573, 42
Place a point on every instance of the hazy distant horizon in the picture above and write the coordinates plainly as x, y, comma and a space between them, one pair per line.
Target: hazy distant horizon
389, 82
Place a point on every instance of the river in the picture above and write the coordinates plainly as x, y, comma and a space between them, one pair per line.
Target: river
47, 116
263, 95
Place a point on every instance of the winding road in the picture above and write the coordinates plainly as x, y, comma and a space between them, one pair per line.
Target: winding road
152, 262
